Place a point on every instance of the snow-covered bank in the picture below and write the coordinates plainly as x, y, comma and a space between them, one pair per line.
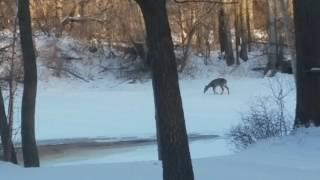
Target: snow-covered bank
294, 157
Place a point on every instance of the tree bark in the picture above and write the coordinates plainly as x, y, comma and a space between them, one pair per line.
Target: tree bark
307, 28
59, 16
250, 23
237, 21
29, 146
186, 49
272, 34
287, 23
176, 160
225, 36
244, 31
7, 145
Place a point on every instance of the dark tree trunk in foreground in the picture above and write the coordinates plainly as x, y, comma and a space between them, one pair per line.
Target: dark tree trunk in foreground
175, 153
307, 27
9, 153
29, 146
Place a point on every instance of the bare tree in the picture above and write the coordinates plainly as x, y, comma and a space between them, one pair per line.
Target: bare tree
250, 23
244, 30
237, 34
307, 28
59, 15
7, 145
195, 25
272, 35
176, 160
225, 35
289, 34
29, 146
6, 120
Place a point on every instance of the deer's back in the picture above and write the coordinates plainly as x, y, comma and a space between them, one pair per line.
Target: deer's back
218, 81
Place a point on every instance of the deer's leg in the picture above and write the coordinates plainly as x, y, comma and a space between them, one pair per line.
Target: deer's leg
227, 88
214, 90
222, 89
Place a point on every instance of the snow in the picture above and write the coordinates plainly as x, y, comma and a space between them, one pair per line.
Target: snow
109, 107
294, 157
75, 110
127, 110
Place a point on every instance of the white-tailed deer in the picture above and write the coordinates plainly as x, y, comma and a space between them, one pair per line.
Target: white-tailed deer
217, 82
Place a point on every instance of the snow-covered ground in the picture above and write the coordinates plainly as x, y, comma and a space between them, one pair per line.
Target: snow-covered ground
294, 157
73, 109
110, 107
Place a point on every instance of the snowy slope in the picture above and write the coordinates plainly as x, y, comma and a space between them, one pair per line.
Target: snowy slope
295, 157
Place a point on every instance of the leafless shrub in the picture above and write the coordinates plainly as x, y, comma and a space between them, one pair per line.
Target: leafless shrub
267, 118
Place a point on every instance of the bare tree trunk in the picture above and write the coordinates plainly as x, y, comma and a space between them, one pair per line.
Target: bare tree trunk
181, 22
244, 31
9, 10
29, 146
237, 21
4, 129
186, 49
225, 36
81, 9
307, 28
207, 48
176, 160
6, 122
7, 145
193, 27
272, 33
59, 15
12, 90
250, 23
287, 23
